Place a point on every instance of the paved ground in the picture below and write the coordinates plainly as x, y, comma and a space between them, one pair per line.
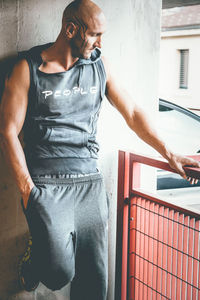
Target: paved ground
185, 197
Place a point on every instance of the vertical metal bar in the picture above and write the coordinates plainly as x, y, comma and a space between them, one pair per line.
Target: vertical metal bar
175, 255
147, 265
155, 250
160, 251
125, 230
169, 257
190, 258
151, 249
142, 286
120, 210
196, 262
141, 252
127, 176
135, 183
131, 289
185, 259
132, 246
165, 251
125, 253
138, 237
180, 257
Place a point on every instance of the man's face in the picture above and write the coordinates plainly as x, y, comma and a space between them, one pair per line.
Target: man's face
88, 37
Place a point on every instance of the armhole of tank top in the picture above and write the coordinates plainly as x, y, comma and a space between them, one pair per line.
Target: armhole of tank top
102, 68
32, 83
30, 69
102, 73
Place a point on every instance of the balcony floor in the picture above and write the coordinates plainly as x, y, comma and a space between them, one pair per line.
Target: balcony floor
185, 197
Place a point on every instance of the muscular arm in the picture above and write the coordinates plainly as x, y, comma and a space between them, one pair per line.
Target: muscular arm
12, 115
139, 122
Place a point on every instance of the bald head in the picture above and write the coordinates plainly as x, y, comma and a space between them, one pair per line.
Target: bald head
83, 11
83, 23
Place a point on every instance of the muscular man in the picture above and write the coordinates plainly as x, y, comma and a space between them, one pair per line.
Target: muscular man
55, 93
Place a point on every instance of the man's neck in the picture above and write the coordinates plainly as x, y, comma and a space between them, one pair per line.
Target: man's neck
58, 56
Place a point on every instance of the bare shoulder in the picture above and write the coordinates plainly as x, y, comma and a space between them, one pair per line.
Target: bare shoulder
15, 94
19, 77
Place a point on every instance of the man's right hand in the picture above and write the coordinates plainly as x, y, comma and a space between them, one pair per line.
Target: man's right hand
25, 195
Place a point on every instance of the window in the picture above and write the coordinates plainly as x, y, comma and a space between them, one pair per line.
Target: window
183, 78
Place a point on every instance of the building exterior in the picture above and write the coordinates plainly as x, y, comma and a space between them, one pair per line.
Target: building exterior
180, 56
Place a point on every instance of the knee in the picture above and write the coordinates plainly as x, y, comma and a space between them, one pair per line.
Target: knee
57, 279
58, 268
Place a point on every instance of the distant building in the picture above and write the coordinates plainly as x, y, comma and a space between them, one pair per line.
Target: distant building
180, 56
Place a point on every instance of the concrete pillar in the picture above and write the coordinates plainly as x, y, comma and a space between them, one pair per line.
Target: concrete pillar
131, 44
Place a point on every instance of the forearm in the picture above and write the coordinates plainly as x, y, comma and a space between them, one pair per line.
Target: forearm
14, 155
142, 126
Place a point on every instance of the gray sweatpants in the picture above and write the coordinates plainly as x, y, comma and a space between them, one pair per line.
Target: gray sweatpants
68, 221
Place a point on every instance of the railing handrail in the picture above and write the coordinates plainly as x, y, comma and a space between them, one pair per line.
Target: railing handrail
161, 163
129, 176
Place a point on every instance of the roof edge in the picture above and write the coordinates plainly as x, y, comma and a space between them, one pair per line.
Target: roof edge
178, 3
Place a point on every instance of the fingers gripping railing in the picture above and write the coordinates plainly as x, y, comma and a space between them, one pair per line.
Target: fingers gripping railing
158, 243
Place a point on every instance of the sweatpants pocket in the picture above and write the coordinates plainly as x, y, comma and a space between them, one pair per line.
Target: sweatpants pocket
51, 223
30, 198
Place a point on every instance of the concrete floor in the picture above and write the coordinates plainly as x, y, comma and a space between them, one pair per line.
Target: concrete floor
188, 198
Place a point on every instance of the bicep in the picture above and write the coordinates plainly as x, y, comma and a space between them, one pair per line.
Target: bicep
15, 99
117, 95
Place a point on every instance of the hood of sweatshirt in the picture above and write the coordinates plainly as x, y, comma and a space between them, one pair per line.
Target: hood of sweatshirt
36, 51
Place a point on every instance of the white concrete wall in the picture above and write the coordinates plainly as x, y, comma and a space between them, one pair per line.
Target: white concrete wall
171, 43
132, 46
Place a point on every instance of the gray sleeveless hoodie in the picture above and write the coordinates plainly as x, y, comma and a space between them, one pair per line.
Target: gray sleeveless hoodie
61, 121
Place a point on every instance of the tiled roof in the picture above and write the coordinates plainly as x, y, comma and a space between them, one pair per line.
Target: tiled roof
186, 16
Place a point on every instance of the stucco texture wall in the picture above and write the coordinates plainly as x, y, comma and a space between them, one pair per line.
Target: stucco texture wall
132, 46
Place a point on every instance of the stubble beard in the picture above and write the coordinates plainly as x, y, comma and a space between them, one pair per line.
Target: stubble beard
79, 48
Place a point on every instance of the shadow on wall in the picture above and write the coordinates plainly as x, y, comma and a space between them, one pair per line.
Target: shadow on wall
11, 248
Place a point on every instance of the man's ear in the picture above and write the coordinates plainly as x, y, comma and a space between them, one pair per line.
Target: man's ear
71, 30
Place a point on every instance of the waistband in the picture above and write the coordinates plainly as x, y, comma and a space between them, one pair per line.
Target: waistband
64, 175
62, 166
84, 179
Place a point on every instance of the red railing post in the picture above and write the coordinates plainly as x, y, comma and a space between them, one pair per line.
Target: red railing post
120, 289
131, 180
125, 249
135, 174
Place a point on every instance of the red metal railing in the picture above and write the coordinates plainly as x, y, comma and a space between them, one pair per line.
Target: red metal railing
158, 250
